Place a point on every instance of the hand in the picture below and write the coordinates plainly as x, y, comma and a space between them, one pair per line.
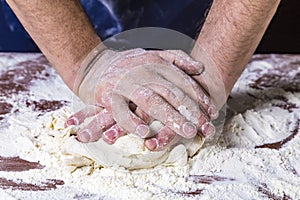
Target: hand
164, 92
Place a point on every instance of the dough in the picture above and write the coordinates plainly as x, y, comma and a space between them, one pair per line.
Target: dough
129, 152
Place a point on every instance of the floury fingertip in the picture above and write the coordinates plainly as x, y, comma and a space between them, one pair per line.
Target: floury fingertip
213, 112
189, 130
110, 136
151, 144
84, 136
71, 121
142, 130
208, 129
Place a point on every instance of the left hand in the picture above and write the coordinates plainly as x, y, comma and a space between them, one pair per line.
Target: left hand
109, 131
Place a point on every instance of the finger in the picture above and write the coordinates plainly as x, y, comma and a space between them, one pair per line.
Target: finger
185, 105
174, 75
162, 139
177, 98
144, 116
182, 60
111, 135
206, 130
126, 119
80, 116
158, 108
189, 86
140, 113
205, 100
93, 131
166, 137
174, 95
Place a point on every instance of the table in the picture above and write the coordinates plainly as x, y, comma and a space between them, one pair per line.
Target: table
256, 157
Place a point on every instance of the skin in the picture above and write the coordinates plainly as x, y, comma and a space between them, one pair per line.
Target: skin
227, 41
52, 34
112, 81
231, 33
61, 30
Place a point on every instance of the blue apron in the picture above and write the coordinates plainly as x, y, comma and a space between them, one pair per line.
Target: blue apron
115, 16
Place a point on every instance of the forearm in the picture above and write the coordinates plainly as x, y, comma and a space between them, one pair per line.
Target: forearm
231, 33
62, 31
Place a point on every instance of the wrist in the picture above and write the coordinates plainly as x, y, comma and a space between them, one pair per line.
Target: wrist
212, 79
91, 70
231, 33
85, 65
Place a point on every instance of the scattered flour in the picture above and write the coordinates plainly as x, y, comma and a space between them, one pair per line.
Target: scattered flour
236, 167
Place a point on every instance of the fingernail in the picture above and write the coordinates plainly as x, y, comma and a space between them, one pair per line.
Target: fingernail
151, 144
189, 130
84, 136
142, 130
208, 129
206, 99
110, 136
201, 68
71, 121
213, 112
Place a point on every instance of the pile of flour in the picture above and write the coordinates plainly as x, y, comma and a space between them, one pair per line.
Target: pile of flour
243, 164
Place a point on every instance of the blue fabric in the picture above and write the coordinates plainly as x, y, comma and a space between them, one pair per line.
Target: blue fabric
13, 37
112, 17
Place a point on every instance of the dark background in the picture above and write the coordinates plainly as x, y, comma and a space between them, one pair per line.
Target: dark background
282, 36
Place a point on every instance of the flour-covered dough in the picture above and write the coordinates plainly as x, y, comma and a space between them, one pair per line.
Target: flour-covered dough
129, 151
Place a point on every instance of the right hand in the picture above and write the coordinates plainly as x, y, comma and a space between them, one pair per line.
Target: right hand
154, 82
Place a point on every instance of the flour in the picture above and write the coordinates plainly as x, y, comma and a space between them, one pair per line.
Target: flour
238, 166
129, 151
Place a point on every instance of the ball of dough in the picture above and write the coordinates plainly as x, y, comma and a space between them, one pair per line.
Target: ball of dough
129, 152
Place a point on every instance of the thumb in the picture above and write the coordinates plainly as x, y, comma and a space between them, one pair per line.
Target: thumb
182, 60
